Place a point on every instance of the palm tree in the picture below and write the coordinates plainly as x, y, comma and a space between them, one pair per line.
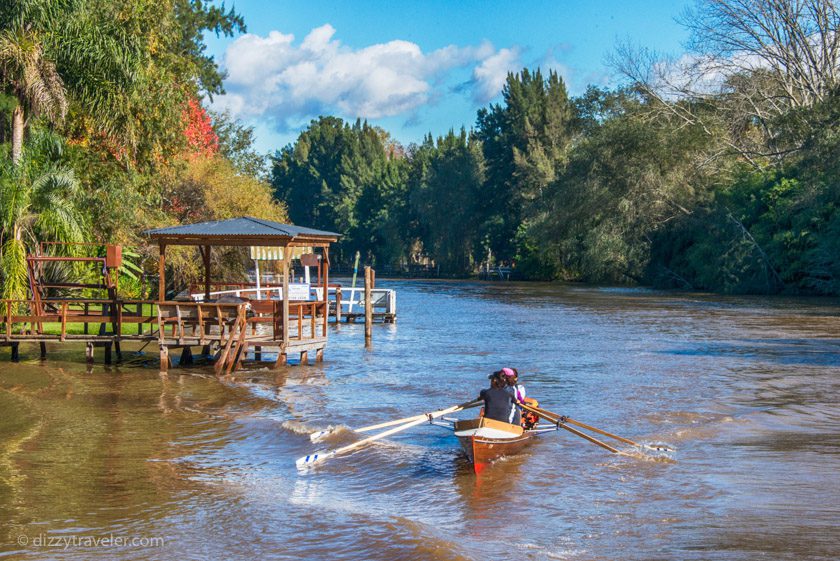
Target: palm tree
32, 79
37, 202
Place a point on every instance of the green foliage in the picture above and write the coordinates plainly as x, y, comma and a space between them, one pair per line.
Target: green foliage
340, 177
525, 142
448, 175
236, 143
125, 72
39, 200
728, 191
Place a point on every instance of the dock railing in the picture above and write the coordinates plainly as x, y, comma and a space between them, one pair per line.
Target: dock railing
352, 301
178, 323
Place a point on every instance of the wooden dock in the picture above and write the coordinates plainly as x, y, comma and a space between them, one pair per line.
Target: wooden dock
224, 330
290, 324
348, 304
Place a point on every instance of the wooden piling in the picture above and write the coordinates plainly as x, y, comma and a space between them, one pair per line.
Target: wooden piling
338, 304
319, 355
15, 352
108, 358
43, 350
186, 357
368, 306
89, 353
164, 358
304, 357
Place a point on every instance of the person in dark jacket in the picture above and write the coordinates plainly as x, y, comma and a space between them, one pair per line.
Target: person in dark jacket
500, 400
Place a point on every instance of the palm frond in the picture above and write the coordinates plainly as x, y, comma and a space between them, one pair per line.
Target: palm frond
33, 78
13, 262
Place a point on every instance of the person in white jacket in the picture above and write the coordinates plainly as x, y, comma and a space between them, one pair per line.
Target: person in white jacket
511, 375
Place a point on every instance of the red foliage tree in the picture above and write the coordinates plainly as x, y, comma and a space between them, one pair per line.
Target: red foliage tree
198, 129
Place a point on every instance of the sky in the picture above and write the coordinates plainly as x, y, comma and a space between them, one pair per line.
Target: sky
414, 67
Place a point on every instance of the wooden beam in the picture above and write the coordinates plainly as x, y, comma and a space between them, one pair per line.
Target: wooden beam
285, 303
205, 254
162, 273
326, 280
164, 358
368, 306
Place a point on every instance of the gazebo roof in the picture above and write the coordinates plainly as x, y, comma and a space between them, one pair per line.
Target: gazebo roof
245, 230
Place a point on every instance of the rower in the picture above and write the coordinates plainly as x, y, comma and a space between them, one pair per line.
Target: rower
500, 400
511, 378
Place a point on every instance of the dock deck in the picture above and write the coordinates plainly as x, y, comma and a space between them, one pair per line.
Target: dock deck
226, 330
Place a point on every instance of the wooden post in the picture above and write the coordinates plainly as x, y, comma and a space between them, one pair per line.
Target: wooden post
205, 254
164, 358
285, 303
304, 357
186, 357
43, 350
107, 353
326, 280
338, 304
15, 352
368, 307
319, 355
162, 274
89, 353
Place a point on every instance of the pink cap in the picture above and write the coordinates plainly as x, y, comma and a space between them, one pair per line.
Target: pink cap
508, 372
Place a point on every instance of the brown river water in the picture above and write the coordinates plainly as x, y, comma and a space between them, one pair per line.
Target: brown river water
184, 466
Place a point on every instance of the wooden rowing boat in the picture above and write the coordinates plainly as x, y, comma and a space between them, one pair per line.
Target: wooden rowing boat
485, 440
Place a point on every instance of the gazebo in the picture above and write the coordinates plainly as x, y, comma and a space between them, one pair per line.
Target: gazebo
289, 322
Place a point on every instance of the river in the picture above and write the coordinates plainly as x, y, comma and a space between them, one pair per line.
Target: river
183, 466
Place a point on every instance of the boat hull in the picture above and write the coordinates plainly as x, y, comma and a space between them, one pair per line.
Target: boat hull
485, 441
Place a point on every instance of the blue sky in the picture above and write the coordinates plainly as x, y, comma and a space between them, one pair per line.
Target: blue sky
414, 67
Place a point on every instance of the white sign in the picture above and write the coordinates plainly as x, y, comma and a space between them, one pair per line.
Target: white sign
298, 291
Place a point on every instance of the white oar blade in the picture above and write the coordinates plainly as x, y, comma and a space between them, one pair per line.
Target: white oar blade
318, 435
312, 459
658, 448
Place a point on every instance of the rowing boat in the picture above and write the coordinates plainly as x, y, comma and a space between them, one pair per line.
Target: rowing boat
485, 440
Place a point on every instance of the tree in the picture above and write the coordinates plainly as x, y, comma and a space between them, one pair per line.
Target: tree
524, 142
32, 79
37, 196
210, 188
327, 171
445, 194
754, 61
236, 143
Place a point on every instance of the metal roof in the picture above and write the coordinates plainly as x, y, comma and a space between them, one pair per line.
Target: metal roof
245, 226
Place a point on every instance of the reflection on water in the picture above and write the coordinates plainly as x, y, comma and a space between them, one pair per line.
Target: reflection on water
744, 388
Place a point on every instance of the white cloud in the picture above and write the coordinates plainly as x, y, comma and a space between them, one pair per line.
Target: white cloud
489, 76
273, 78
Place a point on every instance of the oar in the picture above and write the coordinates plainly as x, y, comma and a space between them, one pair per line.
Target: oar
619, 438
318, 435
562, 419
306, 461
